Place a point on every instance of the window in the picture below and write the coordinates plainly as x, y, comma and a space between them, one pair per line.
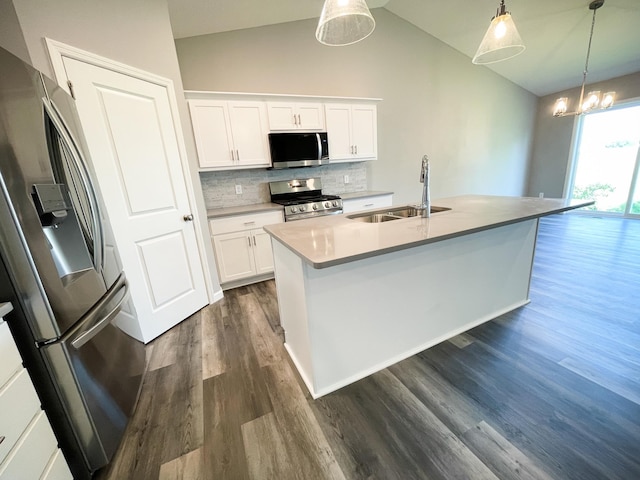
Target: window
606, 162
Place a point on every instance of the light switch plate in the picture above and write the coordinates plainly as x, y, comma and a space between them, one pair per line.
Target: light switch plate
238, 189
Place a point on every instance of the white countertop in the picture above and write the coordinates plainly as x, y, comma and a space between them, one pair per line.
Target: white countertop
335, 239
5, 308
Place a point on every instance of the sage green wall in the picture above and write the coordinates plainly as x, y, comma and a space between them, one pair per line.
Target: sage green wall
551, 154
475, 125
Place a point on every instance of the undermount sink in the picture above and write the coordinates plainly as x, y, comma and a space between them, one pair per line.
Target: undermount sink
389, 214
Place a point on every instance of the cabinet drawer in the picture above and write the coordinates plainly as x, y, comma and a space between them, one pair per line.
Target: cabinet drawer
244, 222
367, 203
10, 360
57, 468
32, 453
18, 405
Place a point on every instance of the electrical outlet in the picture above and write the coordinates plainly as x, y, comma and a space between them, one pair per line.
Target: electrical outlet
238, 189
541, 195
346, 179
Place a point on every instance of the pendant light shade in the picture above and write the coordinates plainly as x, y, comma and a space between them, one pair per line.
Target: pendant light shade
344, 22
502, 40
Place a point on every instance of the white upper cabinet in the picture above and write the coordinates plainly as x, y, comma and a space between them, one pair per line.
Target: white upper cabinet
230, 134
295, 115
232, 129
352, 130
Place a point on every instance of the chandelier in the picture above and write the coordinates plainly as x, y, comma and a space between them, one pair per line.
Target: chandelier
593, 100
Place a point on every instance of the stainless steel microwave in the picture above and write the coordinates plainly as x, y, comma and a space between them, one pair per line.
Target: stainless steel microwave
291, 150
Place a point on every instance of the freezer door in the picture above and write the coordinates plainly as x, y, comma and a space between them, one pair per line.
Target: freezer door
98, 369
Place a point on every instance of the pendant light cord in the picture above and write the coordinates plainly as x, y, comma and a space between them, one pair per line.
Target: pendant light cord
586, 63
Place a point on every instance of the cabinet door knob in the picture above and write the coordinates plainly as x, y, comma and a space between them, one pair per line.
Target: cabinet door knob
188, 218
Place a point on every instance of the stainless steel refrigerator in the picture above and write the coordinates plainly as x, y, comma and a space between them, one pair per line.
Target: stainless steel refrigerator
58, 266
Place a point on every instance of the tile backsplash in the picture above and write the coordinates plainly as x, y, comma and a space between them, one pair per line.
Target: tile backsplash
219, 187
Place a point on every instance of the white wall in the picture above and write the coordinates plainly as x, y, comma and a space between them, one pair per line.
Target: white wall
137, 33
553, 136
475, 125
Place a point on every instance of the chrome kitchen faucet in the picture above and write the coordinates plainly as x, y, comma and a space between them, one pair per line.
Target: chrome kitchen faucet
426, 194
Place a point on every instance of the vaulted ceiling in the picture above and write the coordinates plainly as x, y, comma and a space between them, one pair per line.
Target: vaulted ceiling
555, 32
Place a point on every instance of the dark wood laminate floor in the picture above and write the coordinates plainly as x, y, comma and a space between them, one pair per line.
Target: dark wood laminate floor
550, 390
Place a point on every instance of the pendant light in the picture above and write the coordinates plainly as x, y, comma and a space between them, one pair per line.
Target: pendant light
344, 22
502, 40
593, 100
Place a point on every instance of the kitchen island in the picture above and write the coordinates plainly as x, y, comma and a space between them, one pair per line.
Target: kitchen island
356, 297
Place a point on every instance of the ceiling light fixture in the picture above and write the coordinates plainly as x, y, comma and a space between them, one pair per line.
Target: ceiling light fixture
593, 100
502, 40
344, 22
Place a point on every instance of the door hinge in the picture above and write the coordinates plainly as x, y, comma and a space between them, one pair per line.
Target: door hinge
70, 85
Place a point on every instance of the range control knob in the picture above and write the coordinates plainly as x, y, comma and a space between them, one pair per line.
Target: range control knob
315, 207
294, 209
327, 204
335, 204
303, 208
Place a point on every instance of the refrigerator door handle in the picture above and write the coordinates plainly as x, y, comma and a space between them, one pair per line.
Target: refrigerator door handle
95, 319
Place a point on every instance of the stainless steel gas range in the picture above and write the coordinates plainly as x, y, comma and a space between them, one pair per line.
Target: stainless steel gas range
304, 199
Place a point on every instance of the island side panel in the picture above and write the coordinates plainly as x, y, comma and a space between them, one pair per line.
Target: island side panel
366, 315
290, 288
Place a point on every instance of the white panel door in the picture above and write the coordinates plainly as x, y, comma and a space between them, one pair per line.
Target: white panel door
262, 252
364, 131
212, 131
293, 116
234, 256
132, 141
249, 130
310, 116
282, 116
338, 118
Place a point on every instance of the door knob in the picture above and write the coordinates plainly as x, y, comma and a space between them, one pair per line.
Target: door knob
188, 218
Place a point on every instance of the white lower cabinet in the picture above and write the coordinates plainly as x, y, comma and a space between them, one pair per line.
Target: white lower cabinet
367, 203
29, 449
262, 252
242, 247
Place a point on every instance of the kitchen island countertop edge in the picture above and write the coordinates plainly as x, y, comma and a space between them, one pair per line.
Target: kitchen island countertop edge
333, 240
